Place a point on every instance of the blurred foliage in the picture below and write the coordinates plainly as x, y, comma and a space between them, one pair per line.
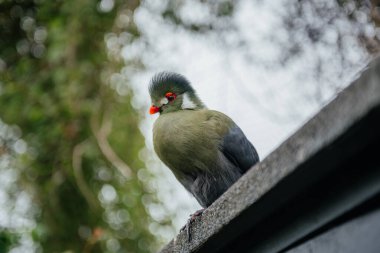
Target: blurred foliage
6, 241
297, 16
60, 84
219, 13
82, 136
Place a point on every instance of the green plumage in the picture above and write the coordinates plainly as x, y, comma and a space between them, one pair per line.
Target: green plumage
205, 149
188, 140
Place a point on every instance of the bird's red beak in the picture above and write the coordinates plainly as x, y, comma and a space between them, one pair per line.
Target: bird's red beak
154, 109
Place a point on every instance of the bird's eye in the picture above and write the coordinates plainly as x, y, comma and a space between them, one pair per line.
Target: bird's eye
170, 96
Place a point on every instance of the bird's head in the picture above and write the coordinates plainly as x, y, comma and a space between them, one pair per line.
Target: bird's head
172, 92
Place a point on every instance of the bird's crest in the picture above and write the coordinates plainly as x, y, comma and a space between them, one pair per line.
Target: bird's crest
168, 82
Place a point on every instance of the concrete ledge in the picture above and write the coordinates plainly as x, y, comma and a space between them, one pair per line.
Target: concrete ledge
254, 213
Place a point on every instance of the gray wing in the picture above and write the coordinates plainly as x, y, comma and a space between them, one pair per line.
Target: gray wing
239, 150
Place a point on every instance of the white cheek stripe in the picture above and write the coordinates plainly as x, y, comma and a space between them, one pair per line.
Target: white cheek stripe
187, 103
164, 101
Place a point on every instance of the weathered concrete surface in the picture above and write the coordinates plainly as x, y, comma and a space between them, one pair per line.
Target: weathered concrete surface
331, 122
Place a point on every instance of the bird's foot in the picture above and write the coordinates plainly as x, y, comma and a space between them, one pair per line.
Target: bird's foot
192, 218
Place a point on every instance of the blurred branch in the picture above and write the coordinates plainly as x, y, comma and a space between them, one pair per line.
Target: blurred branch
375, 12
101, 134
371, 44
78, 174
3, 150
92, 240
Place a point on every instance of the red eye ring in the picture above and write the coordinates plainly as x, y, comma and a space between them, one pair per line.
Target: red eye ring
170, 96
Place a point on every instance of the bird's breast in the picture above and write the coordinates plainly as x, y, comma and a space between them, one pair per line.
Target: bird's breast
184, 142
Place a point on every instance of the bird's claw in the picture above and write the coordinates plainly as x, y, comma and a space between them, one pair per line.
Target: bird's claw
188, 223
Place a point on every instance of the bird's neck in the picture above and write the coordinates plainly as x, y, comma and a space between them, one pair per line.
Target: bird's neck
190, 101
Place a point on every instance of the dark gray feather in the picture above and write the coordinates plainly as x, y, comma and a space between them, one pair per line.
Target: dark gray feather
239, 150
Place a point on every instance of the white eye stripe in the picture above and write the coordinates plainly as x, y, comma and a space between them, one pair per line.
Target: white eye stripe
164, 101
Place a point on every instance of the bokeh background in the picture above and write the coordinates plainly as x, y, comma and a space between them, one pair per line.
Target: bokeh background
77, 168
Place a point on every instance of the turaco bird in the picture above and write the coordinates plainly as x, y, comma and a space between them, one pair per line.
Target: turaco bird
205, 149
